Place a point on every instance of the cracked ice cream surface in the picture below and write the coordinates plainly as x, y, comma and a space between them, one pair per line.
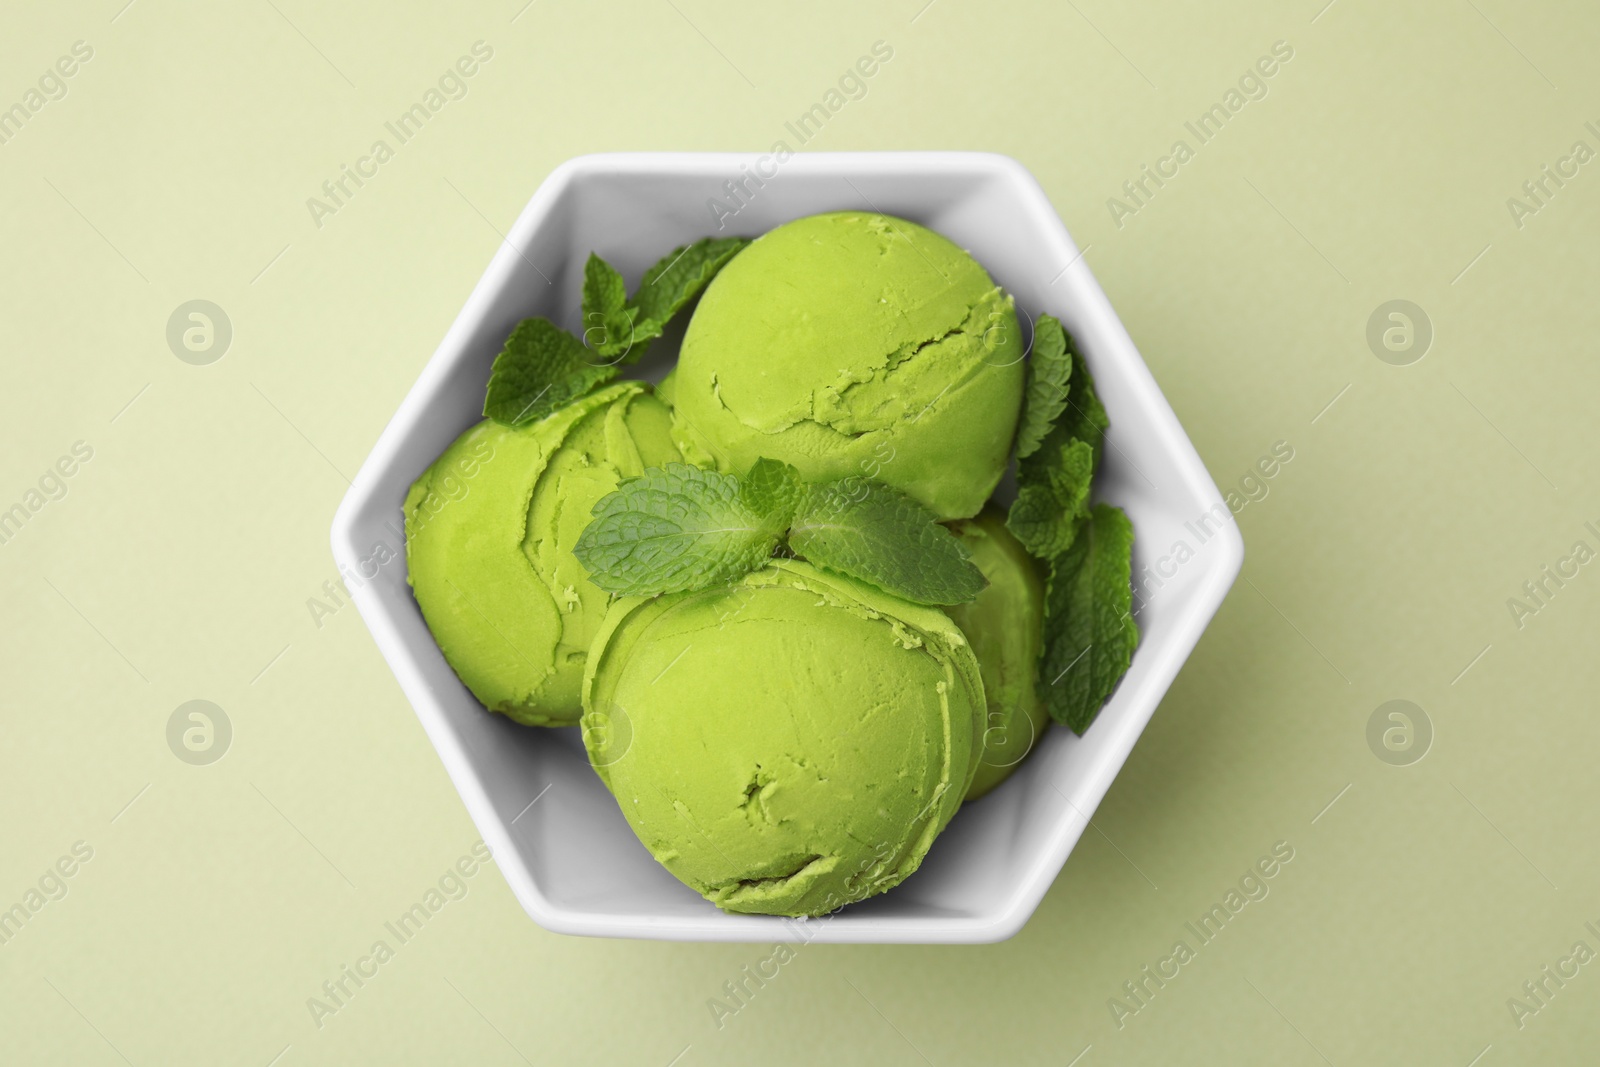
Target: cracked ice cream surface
856, 344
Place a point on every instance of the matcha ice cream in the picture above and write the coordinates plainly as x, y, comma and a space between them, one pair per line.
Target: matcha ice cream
855, 344
489, 533
786, 745
1004, 626
733, 582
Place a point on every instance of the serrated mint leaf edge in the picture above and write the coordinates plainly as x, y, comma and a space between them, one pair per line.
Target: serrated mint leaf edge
1045, 398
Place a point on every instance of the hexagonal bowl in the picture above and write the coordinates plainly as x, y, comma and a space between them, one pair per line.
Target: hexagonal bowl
557, 834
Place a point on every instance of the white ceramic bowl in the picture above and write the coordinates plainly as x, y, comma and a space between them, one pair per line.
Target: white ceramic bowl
556, 833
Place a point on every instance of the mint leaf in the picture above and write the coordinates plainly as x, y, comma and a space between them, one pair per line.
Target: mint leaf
607, 320
1045, 517
879, 535
1053, 496
772, 488
604, 291
1049, 371
541, 368
1053, 481
1089, 633
1085, 418
676, 280
680, 528
1082, 418
672, 529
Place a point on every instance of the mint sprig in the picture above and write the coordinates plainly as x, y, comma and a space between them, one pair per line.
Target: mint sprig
868, 531
1045, 515
1053, 480
543, 367
674, 529
680, 529
1089, 634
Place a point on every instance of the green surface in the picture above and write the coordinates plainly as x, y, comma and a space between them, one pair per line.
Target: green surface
793, 743
177, 560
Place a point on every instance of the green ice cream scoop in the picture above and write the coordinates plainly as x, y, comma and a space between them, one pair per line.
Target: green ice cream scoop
489, 533
855, 344
1004, 626
787, 745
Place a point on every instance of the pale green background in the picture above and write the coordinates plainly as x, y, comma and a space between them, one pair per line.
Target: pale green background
1378, 567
